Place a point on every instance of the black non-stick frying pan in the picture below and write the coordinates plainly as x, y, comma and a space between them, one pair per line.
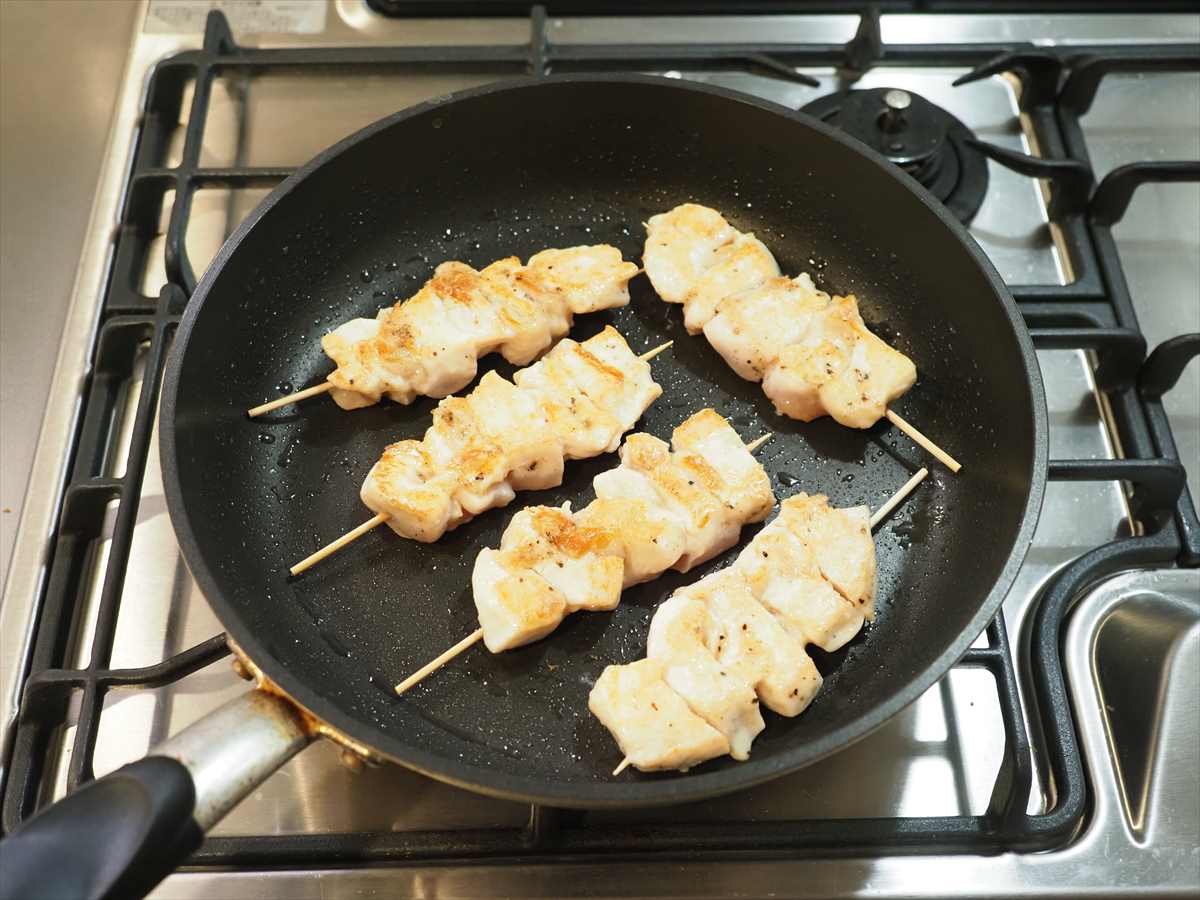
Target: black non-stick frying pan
511, 169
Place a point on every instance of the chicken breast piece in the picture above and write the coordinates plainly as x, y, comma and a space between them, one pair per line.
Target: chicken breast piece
751, 329
841, 543
752, 644
584, 428
710, 526
677, 638
512, 421
694, 257
708, 447
435, 339
584, 279
681, 245
359, 380
739, 266
646, 538
876, 374
513, 609
414, 490
783, 575
571, 558
465, 463
838, 368
528, 325
703, 492
616, 378
591, 392
430, 343
480, 463
653, 726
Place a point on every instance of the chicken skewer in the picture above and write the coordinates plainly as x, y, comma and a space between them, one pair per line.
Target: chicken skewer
812, 353
429, 344
574, 403
658, 509
738, 637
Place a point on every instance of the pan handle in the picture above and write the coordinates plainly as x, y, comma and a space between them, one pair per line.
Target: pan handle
120, 835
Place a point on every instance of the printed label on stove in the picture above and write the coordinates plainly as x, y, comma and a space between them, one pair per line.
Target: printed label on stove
245, 16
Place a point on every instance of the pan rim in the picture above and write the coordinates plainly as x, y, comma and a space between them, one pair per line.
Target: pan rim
599, 794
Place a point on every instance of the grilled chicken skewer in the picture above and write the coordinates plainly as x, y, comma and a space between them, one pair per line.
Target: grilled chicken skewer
429, 344
737, 638
506, 436
659, 509
812, 352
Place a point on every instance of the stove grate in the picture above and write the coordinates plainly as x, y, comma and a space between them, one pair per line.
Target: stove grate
1094, 312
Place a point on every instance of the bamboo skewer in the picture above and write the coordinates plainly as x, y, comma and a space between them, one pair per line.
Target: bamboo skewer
290, 398
919, 439
324, 386
650, 354
477, 635
355, 533
433, 665
878, 516
759, 441
897, 498
335, 545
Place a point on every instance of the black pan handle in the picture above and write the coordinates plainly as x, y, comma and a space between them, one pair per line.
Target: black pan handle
114, 837
119, 836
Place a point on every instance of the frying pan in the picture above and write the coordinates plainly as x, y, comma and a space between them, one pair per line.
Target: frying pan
510, 169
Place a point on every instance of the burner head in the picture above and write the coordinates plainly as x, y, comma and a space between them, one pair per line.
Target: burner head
920, 137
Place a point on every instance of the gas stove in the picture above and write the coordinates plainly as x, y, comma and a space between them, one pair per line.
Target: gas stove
1068, 142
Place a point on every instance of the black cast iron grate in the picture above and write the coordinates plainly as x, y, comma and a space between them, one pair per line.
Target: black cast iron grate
1094, 312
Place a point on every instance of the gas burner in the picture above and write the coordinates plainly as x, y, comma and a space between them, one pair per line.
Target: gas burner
920, 137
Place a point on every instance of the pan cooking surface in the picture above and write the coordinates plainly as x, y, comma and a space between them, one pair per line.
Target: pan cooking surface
372, 222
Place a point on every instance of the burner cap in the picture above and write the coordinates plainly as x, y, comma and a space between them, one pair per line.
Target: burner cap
918, 136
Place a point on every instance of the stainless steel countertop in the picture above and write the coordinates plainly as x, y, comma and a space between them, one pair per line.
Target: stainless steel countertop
60, 71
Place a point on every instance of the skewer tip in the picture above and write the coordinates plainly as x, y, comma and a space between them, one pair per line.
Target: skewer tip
256, 411
622, 767
897, 498
922, 441
650, 354
333, 546
430, 667
759, 441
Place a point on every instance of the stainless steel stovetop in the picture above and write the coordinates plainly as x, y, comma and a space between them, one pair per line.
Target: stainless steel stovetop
1140, 733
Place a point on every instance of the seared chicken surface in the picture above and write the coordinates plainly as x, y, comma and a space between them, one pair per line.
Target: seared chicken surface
552, 562
429, 344
696, 258
653, 725
738, 637
812, 352
481, 449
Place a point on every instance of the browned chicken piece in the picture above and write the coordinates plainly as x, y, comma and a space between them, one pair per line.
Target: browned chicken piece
632, 532
429, 344
717, 457
652, 724
782, 573
739, 635
503, 437
841, 542
812, 353
696, 258
839, 368
751, 642
679, 638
